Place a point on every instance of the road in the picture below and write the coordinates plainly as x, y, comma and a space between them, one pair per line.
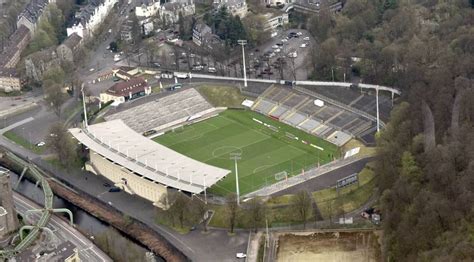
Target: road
87, 250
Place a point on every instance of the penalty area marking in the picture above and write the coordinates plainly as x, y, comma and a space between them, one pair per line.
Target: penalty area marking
223, 150
260, 168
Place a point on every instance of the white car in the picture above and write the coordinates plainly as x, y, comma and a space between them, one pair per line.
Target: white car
293, 54
240, 255
275, 46
284, 40
278, 50
40, 144
299, 34
211, 70
91, 70
303, 45
306, 38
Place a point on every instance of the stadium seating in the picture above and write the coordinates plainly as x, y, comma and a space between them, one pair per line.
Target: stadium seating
175, 108
330, 121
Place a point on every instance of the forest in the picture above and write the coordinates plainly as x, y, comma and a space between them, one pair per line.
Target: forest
425, 162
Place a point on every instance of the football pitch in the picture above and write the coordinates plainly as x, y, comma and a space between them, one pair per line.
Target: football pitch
269, 149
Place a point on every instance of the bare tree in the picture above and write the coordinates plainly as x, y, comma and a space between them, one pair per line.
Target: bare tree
231, 210
302, 206
256, 209
179, 207
55, 97
199, 212
62, 144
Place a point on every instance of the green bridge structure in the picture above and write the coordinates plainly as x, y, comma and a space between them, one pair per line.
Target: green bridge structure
46, 211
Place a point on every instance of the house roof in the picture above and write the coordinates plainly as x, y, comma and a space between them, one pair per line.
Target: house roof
8, 72
34, 10
134, 85
72, 41
202, 28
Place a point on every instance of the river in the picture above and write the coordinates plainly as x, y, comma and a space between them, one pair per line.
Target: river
118, 246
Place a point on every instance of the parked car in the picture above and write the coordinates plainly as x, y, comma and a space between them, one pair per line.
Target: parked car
275, 46
114, 189
299, 34
306, 38
106, 184
240, 255
40, 144
211, 70
149, 132
278, 50
303, 45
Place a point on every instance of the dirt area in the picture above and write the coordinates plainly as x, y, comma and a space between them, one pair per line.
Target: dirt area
329, 247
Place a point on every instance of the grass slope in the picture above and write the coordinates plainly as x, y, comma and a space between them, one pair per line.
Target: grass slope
226, 96
264, 152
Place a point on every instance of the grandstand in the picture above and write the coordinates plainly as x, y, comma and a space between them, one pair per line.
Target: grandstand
165, 111
329, 121
121, 154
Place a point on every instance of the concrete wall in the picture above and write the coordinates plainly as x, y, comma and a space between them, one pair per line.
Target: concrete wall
134, 183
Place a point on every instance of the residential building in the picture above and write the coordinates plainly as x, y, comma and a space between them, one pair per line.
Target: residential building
67, 50
31, 15
127, 90
170, 12
89, 17
147, 8
126, 31
201, 33
39, 62
15, 45
275, 20
235, 7
9, 80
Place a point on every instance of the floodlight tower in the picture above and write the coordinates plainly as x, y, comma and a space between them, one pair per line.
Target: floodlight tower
243, 43
84, 105
377, 102
235, 157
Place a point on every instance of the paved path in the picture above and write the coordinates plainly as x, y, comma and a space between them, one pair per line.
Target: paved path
303, 177
87, 250
17, 124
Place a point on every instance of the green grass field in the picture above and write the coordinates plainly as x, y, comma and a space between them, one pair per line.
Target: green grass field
264, 152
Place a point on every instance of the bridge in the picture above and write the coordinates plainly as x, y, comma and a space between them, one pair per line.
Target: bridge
35, 230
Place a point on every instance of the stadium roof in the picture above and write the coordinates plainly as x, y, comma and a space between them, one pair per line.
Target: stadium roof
120, 144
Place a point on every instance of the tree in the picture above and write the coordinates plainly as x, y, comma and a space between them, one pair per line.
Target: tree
301, 203
55, 98
199, 212
254, 26
53, 80
179, 207
231, 210
61, 143
256, 209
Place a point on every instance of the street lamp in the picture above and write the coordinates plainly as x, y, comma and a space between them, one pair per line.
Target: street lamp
243, 43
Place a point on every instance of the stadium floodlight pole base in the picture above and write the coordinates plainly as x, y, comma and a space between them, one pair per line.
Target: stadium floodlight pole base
235, 157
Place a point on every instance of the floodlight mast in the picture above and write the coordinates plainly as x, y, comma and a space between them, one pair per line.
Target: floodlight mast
243, 43
235, 157
84, 105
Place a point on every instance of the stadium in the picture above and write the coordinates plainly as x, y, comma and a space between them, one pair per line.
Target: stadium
179, 141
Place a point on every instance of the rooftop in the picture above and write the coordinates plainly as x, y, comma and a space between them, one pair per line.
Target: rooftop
133, 86
72, 41
34, 10
120, 144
